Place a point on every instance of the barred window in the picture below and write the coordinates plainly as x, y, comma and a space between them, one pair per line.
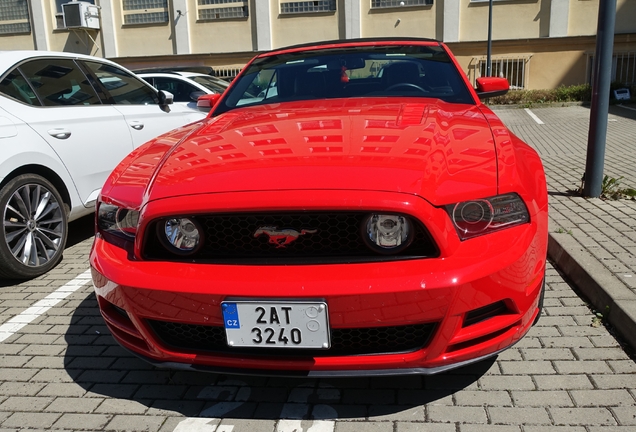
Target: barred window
513, 69
226, 72
378, 4
145, 11
624, 68
308, 6
14, 17
239, 9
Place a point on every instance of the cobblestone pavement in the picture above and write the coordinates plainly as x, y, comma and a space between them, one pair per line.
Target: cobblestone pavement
61, 370
592, 240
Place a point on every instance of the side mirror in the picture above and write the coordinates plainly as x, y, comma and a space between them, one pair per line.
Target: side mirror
207, 101
165, 98
488, 87
195, 95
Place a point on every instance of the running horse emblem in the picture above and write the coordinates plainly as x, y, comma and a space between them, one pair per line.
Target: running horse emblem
281, 238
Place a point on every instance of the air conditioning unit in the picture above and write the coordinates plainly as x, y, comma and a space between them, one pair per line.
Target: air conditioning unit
80, 14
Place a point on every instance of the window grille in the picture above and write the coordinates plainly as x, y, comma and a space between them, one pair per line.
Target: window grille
379, 4
623, 68
308, 6
226, 72
240, 10
145, 11
514, 69
14, 17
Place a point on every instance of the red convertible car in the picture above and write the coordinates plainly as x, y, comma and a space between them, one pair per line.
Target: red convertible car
347, 208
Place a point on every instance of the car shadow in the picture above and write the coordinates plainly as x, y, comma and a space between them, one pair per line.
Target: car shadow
80, 229
625, 109
99, 365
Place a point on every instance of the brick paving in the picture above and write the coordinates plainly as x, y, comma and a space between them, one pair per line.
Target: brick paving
63, 371
593, 241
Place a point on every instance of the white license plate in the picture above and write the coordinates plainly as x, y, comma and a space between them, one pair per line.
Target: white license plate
280, 324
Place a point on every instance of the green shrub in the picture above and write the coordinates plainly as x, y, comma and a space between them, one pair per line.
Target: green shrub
576, 93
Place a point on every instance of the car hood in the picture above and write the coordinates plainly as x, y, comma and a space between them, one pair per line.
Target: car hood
440, 151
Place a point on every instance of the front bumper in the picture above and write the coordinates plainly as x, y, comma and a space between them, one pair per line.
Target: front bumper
480, 296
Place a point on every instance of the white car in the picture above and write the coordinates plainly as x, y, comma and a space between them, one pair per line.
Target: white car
186, 87
66, 120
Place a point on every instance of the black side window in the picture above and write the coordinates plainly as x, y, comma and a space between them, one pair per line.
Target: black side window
59, 82
179, 89
15, 86
123, 87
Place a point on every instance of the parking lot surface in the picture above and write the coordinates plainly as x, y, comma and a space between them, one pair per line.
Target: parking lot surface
61, 370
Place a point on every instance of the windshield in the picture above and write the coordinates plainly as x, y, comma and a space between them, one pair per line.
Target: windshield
366, 71
214, 84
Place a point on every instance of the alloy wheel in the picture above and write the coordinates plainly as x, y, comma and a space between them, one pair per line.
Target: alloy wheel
34, 226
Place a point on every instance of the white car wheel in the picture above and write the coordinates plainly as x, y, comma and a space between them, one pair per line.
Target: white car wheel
34, 227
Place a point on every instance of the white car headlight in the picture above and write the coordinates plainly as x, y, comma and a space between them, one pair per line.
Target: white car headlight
483, 216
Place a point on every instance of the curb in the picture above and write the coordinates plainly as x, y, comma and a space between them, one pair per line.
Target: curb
602, 288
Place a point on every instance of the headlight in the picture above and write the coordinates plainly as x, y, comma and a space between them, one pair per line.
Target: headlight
180, 235
483, 216
117, 220
387, 233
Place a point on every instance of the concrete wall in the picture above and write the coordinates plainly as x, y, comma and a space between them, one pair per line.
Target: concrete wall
294, 29
510, 20
417, 21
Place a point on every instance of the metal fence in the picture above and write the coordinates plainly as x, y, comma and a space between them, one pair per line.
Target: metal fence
226, 73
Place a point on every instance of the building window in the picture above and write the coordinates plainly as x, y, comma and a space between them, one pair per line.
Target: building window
624, 68
217, 2
379, 4
512, 68
145, 11
239, 9
227, 73
308, 6
14, 17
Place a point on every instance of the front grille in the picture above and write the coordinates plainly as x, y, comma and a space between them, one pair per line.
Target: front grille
329, 237
344, 342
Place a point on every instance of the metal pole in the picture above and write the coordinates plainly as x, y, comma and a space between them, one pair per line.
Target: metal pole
602, 71
488, 60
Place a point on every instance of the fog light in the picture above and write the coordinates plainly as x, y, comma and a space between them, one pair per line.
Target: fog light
182, 235
387, 233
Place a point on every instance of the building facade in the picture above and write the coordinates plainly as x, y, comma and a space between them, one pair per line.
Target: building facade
537, 44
